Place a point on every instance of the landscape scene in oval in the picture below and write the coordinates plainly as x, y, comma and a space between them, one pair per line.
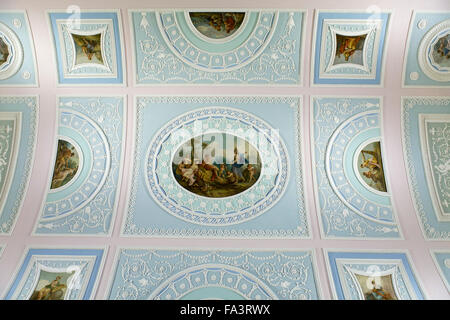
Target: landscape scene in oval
217, 25
216, 165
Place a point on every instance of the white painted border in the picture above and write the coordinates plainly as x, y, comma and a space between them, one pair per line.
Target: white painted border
119, 249
300, 108
406, 51
31, 162
121, 172
41, 267
122, 47
16, 64
33, 52
11, 166
341, 265
381, 251
438, 267
301, 65
373, 28
314, 173
426, 159
313, 50
27, 248
277, 145
407, 161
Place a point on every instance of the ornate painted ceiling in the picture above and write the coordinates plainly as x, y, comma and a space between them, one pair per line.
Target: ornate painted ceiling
291, 152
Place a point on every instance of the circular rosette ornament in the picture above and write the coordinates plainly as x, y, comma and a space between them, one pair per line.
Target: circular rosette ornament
217, 166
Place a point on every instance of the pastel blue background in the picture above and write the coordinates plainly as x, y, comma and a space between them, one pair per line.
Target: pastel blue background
282, 220
332, 256
98, 253
110, 110
139, 272
91, 79
416, 35
24, 36
432, 228
440, 259
29, 109
241, 75
328, 114
318, 48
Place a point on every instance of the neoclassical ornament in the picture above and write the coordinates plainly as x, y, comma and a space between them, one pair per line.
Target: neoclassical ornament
193, 50
205, 274
357, 275
82, 187
434, 52
207, 47
11, 52
200, 207
95, 153
353, 195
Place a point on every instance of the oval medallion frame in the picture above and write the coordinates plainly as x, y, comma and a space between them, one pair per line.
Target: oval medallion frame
181, 203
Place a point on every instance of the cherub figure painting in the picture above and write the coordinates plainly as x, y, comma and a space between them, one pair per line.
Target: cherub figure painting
88, 49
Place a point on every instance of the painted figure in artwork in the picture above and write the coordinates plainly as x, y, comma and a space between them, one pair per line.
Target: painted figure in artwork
217, 25
221, 173
378, 293
349, 49
371, 166
440, 53
51, 285
88, 49
66, 164
50, 290
4, 52
376, 287
444, 47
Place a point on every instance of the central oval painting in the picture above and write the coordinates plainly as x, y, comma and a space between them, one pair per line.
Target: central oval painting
216, 165
217, 25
